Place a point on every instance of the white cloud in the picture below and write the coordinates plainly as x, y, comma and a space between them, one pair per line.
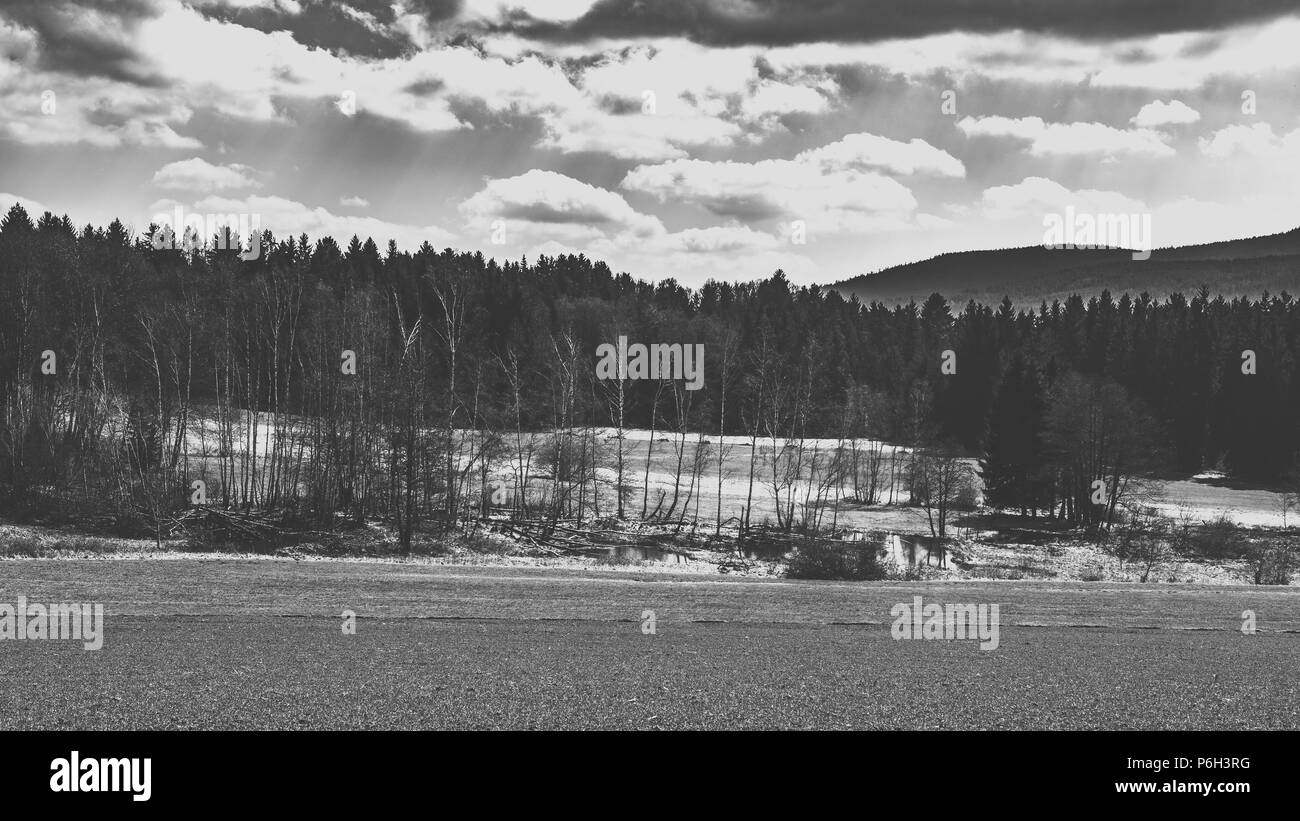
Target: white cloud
1033, 197
200, 176
354, 202
1158, 113
553, 204
774, 188
1257, 141
834, 188
717, 239
33, 208
1068, 138
553, 10
775, 98
863, 151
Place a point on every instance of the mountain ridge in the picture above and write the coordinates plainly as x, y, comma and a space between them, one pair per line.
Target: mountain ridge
1030, 274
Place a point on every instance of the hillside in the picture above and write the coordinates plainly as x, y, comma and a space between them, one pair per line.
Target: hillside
1244, 267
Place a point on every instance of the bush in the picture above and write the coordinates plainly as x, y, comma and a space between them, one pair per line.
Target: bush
1093, 573
1271, 563
819, 560
1220, 539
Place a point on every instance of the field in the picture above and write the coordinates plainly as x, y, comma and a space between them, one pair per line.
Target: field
219, 643
1202, 498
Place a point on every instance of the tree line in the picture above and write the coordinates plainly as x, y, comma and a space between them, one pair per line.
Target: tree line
350, 382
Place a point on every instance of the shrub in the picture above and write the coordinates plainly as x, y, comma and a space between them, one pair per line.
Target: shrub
1271, 563
1093, 573
1220, 539
819, 560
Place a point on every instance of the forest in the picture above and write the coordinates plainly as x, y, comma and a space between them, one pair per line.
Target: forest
365, 384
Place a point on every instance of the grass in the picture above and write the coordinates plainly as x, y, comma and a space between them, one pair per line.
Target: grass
35, 547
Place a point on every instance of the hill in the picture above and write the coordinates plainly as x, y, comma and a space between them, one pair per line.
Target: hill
1242, 267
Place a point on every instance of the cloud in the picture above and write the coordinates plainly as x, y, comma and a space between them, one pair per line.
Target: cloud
773, 188
1046, 139
775, 98
837, 187
715, 240
863, 151
33, 208
1157, 113
1256, 141
1249, 54
503, 11
200, 176
652, 102
354, 202
1033, 197
87, 38
783, 22
40, 109
554, 203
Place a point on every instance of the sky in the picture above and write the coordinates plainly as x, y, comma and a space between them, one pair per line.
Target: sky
694, 139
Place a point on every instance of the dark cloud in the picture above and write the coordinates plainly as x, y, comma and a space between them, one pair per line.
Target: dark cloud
88, 38
435, 11
785, 22
326, 24
546, 214
426, 87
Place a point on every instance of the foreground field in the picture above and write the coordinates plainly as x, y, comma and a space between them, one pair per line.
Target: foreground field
257, 644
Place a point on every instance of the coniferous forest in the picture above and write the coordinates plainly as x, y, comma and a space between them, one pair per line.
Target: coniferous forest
366, 370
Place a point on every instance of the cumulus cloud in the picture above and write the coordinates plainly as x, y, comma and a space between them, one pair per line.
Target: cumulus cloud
774, 188
1068, 138
868, 151
200, 176
1256, 141
1158, 113
717, 239
837, 187
553, 203
1035, 196
33, 208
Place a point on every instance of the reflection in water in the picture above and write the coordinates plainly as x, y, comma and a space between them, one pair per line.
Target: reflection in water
908, 551
635, 553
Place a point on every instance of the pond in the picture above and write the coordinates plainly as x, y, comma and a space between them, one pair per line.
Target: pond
913, 551
906, 551
635, 553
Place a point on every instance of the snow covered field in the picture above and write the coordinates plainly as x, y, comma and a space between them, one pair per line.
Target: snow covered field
1200, 499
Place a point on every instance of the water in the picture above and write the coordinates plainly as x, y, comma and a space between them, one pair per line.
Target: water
905, 552
636, 553
913, 551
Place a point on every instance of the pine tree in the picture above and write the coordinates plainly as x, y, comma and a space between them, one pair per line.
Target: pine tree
1012, 466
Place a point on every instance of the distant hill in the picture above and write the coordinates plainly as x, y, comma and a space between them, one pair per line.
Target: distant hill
1241, 267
